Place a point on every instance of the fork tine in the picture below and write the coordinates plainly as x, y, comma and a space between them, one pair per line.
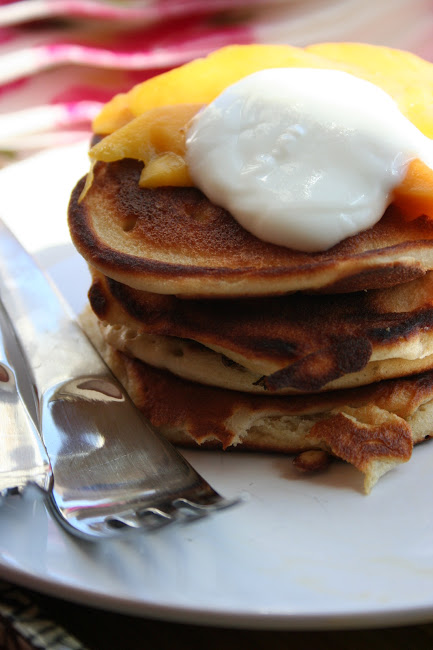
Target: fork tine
214, 502
124, 519
149, 519
180, 510
155, 518
97, 524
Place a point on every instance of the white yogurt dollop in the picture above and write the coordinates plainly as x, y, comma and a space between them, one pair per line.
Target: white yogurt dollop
303, 157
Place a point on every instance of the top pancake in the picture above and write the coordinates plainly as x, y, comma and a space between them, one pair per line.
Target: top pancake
173, 240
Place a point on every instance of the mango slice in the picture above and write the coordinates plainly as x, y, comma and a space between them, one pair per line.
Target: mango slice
414, 196
201, 80
150, 121
157, 138
403, 75
117, 116
166, 169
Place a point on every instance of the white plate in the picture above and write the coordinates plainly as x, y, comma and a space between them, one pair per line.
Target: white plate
299, 553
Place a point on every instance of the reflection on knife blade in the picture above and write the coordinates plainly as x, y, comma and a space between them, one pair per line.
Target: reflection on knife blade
23, 458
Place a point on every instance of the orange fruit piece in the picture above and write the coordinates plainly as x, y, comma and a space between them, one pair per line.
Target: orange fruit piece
201, 80
157, 138
150, 121
405, 76
414, 196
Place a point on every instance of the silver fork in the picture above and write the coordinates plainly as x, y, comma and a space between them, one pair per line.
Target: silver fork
112, 471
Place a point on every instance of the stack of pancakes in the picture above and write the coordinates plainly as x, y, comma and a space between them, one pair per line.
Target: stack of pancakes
224, 340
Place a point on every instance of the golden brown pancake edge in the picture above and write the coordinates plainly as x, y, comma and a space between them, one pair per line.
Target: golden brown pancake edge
174, 241
373, 427
294, 343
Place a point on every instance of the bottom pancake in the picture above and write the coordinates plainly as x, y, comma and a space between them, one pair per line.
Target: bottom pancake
373, 427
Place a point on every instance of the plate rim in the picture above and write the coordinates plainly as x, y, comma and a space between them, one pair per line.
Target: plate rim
378, 618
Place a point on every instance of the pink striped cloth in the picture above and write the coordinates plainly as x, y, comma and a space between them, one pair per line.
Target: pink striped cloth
60, 60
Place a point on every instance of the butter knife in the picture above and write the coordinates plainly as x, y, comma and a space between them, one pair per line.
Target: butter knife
111, 469
23, 458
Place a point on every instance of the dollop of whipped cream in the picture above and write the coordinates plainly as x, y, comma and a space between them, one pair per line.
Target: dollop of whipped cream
303, 157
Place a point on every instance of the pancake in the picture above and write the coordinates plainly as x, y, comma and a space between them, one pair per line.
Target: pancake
173, 240
294, 343
373, 427
224, 340
192, 361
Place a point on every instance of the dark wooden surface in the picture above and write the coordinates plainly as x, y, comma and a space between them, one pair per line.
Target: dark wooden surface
101, 630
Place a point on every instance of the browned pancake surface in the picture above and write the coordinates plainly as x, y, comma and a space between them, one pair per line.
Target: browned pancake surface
175, 241
373, 427
299, 341
170, 401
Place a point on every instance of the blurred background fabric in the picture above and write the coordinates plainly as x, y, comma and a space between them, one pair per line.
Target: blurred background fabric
60, 60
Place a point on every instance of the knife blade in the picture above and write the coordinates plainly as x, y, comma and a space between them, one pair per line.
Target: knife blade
23, 458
